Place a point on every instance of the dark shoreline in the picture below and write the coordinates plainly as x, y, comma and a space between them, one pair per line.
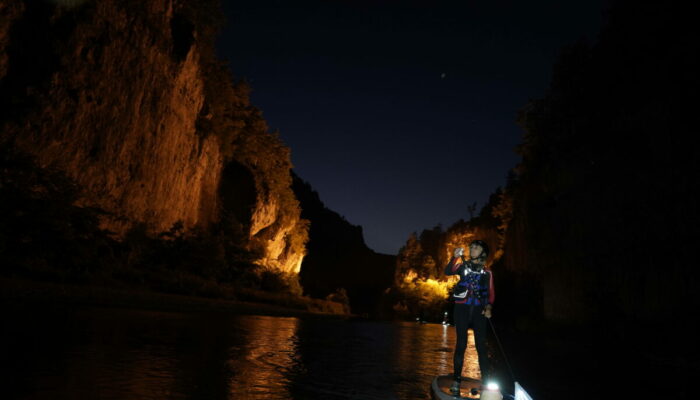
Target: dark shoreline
15, 292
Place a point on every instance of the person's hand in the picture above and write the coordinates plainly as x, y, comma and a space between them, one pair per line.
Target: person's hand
459, 252
487, 311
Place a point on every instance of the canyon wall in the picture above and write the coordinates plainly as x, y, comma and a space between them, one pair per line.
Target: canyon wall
603, 214
128, 100
597, 222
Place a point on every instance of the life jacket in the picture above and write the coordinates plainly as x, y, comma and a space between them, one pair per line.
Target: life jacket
473, 286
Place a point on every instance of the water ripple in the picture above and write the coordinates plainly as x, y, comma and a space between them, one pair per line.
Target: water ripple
118, 354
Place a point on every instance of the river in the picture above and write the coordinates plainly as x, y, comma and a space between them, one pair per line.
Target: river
110, 353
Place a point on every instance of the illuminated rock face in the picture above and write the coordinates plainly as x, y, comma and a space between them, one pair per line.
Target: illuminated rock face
119, 118
420, 284
113, 95
426, 256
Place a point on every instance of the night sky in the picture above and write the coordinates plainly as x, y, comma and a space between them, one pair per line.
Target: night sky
400, 113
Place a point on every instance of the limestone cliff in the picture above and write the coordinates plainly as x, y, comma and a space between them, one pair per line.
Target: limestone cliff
128, 100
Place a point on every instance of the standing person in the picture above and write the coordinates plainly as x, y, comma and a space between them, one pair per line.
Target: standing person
474, 295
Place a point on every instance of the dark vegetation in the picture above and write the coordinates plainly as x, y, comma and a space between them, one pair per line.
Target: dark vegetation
604, 203
605, 208
599, 218
598, 275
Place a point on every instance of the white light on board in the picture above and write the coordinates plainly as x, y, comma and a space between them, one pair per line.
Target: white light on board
520, 393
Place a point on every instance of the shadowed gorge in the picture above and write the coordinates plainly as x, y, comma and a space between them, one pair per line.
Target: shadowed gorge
603, 199
259, 199
339, 263
595, 225
602, 203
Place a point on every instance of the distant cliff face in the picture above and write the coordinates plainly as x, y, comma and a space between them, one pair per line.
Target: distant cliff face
425, 255
338, 257
420, 286
127, 98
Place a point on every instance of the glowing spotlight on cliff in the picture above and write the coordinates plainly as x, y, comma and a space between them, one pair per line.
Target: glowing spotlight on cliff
297, 265
427, 288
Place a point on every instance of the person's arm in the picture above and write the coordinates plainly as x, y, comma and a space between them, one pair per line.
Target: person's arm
452, 267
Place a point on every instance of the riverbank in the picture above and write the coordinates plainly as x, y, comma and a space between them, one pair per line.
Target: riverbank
20, 292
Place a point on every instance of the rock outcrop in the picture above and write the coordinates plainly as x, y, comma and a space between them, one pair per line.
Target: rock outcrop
128, 100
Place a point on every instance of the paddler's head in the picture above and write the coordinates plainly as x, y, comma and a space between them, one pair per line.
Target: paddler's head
478, 251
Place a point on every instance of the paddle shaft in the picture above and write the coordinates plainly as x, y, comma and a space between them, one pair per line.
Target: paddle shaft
500, 346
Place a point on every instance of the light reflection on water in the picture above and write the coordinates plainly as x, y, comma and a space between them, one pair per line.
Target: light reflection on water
121, 354
265, 360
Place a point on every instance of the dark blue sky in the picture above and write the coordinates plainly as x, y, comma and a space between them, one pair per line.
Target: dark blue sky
356, 90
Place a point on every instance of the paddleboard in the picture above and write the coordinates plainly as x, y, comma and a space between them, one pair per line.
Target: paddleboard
440, 388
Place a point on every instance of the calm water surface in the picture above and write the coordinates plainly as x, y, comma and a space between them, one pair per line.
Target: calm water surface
124, 354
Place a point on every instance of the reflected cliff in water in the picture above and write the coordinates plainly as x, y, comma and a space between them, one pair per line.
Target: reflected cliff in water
122, 354
265, 359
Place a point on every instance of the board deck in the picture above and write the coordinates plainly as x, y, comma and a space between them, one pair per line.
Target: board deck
440, 388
